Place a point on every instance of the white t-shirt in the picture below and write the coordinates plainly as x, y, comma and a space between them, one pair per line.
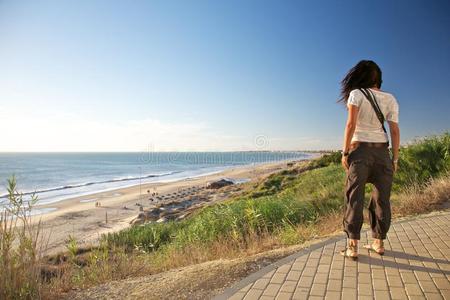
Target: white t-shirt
368, 127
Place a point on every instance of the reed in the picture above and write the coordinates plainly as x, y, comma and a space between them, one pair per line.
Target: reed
21, 246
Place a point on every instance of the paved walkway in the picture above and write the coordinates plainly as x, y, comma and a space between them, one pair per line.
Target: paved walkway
415, 266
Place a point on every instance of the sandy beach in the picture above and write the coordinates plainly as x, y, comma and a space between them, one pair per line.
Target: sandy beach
86, 218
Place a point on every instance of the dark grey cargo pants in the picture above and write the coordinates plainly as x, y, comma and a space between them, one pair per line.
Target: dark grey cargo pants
372, 165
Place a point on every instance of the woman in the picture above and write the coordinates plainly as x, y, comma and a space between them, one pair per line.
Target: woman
365, 154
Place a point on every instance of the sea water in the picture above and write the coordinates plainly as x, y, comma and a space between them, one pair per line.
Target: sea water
57, 176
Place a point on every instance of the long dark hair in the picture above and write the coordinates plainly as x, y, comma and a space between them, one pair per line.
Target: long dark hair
366, 74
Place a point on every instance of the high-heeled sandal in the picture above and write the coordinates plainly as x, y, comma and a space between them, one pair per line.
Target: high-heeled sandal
377, 248
350, 252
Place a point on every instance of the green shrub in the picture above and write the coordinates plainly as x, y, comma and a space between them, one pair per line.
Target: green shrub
327, 159
272, 185
422, 160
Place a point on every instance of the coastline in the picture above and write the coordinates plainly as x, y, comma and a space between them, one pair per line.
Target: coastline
60, 176
81, 218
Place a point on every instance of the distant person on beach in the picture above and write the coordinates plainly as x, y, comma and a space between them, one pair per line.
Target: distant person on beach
365, 154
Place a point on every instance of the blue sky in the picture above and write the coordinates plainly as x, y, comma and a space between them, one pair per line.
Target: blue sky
211, 75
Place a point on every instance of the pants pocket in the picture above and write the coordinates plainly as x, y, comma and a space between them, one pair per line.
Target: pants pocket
357, 169
351, 154
388, 170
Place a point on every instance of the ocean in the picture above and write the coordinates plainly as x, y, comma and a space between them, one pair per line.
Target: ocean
58, 176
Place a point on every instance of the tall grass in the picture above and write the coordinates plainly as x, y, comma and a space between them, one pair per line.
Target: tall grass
423, 160
417, 199
20, 248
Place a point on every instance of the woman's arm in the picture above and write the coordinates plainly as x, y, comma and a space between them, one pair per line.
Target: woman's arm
349, 131
395, 139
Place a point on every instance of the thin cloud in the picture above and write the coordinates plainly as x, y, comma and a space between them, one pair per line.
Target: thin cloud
55, 131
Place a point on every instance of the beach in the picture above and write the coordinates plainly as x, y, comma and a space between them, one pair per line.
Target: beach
86, 218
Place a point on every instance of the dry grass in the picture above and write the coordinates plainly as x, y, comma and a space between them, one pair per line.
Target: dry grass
82, 268
198, 253
418, 199
232, 249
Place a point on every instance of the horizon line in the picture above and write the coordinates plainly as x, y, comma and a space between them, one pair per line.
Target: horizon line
214, 151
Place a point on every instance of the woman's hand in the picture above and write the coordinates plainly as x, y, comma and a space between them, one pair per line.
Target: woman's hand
344, 162
395, 165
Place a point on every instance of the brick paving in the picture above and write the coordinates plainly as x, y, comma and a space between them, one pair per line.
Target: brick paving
416, 265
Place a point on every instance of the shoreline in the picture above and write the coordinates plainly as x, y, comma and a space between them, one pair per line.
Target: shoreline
81, 218
161, 180
92, 185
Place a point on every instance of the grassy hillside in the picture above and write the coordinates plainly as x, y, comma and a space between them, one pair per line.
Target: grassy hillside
283, 201
307, 197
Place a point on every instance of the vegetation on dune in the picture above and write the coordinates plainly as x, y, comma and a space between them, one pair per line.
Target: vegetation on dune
286, 178
325, 160
284, 200
311, 195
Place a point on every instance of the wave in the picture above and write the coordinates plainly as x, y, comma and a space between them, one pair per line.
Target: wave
71, 186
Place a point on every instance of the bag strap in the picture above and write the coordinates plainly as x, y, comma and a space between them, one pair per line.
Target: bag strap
375, 106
